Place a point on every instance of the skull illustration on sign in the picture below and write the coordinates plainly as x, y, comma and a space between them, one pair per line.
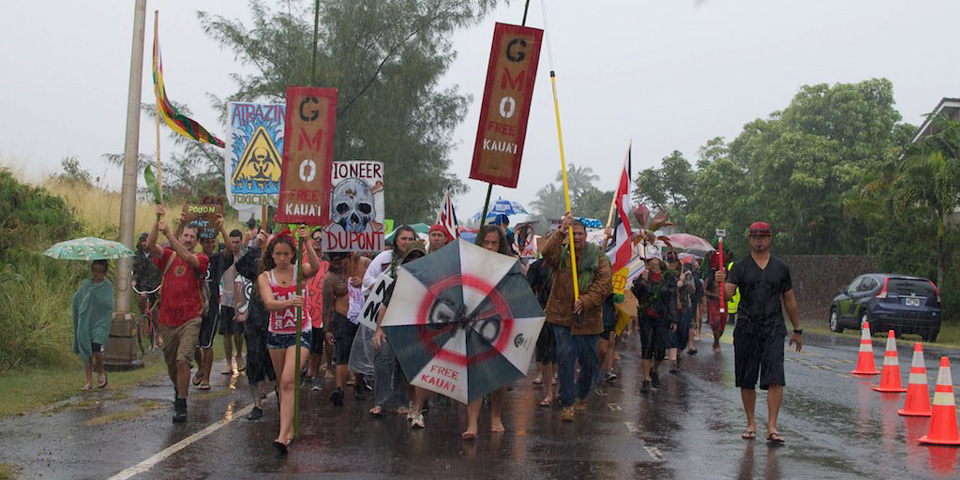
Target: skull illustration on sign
351, 205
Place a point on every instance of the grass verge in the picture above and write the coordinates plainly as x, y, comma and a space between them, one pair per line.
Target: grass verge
949, 333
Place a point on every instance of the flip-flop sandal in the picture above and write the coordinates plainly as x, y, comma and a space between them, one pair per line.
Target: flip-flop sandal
748, 435
197, 380
86, 387
203, 387
776, 439
468, 436
376, 412
227, 372
105, 381
546, 403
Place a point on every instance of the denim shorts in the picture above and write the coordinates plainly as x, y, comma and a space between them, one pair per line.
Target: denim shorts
287, 340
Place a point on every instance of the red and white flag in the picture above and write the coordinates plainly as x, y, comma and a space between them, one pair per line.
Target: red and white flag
621, 251
448, 216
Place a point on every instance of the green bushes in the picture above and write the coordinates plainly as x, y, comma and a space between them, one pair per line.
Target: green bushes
35, 291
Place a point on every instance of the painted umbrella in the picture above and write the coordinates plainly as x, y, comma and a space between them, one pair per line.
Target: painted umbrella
503, 207
88, 248
463, 321
684, 242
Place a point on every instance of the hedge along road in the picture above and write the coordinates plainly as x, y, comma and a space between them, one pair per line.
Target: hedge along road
835, 425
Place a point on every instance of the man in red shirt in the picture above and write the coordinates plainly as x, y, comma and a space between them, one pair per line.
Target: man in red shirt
180, 308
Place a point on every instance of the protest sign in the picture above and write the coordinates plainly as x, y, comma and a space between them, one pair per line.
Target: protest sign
204, 216
507, 96
311, 116
253, 159
356, 208
368, 313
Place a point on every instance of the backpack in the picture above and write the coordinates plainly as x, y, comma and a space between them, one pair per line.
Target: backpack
204, 288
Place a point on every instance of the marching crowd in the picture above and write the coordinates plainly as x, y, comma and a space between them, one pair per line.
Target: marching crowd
246, 291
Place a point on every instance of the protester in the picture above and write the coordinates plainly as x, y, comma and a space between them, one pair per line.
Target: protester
230, 326
606, 351
92, 314
342, 300
540, 277
439, 236
389, 382
716, 314
656, 292
278, 289
259, 367
219, 262
180, 310
315, 304
697, 307
577, 322
492, 238
765, 289
678, 338
146, 276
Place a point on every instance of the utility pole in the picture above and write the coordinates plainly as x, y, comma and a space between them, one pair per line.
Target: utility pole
120, 351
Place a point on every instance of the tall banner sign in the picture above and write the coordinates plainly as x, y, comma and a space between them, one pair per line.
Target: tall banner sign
507, 96
356, 208
253, 159
310, 119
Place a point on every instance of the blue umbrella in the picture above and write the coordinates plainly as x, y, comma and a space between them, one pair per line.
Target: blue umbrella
502, 207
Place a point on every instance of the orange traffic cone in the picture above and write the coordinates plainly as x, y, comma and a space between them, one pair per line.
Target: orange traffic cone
918, 397
943, 423
890, 376
865, 363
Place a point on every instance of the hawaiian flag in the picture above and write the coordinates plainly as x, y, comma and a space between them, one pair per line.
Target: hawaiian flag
179, 122
448, 216
621, 251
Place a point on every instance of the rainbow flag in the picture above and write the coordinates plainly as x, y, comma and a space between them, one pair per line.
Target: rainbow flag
179, 122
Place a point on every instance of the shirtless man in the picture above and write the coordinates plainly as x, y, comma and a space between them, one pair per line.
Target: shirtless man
342, 301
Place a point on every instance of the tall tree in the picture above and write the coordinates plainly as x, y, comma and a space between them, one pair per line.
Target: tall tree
386, 57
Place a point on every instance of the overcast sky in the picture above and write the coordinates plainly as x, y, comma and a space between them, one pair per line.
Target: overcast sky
668, 74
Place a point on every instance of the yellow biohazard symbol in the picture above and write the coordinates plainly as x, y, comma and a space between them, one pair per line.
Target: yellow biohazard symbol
260, 163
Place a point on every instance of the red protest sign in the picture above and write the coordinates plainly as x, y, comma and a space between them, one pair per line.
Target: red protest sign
507, 96
310, 119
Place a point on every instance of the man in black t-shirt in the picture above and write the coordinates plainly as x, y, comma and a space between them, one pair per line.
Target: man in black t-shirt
765, 289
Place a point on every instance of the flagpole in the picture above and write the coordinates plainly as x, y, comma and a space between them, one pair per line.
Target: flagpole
563, 162
486, 203
613, 201
156, 47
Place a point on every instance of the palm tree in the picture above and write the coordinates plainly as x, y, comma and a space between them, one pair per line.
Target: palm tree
929, 178
579, 180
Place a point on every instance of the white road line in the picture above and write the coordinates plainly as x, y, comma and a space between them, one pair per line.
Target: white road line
632, 427
654, 452
186, 442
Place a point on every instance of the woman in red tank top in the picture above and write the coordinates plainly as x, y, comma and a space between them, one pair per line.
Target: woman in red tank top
277, 285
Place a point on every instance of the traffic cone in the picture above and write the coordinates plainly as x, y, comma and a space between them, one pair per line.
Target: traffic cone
890, 376
918, 396
943, 422
865, 363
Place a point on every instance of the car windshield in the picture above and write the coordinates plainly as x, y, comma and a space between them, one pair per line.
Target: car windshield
907, 287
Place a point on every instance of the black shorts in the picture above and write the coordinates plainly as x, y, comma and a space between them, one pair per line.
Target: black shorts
229, 326
756, 357
653, 339
609, 317
208, 327
316, 343
343, 333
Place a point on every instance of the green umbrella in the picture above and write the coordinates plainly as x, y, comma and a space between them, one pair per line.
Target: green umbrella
88, 248
420, 228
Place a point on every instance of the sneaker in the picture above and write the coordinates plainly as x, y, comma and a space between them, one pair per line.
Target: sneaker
611, 377
417, 421
255, 415
337, 397
366, 384
566, 415
180, 411
580, 405
654, 380
645, 387
315, 384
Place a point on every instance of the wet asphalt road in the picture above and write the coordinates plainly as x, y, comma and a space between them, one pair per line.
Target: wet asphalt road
836, 427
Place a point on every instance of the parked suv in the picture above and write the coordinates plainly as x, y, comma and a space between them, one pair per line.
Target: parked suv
889, 302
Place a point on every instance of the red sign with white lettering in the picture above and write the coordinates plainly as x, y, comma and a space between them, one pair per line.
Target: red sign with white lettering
507, 96
307, 155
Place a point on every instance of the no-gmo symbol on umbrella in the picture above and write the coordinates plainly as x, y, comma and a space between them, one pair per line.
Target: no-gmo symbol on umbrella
492, 320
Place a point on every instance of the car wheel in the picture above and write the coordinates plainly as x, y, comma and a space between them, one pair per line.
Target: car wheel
835, 321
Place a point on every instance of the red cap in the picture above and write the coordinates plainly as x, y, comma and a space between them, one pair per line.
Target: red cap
440, 228
760, 229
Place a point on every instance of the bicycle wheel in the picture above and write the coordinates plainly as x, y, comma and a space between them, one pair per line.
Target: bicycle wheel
144, 333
